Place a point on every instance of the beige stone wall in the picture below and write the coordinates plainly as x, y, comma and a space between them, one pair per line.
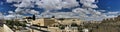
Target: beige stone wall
7, 29
38, 22
43, 22
70, 21
49, 22
1, 29
54, 29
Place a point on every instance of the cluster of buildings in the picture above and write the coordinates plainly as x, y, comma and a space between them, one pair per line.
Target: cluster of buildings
33, 24
52, 24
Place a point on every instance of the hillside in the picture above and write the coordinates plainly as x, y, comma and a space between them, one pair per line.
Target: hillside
109, 25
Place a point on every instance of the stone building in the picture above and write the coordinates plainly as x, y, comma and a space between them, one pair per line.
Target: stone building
43, 21
69, 21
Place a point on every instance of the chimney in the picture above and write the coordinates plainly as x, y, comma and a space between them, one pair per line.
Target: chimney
33, 17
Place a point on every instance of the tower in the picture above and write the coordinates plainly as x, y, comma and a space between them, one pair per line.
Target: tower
33, 17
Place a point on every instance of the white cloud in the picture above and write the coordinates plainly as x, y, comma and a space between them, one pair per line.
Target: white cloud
111, 16
88, 3
59, 4
69, 3
48, 5
10, 12
22, 3
56, 4
1, 3
1, 13
26, 11
20, 11
10, 1
113, 12
26, 3
81, 11
33, 12
78, 13
1, 16
102, 10
61, 15
13, 16
9, 17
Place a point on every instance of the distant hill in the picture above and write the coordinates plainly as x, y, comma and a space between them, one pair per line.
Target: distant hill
115, 19
109, 25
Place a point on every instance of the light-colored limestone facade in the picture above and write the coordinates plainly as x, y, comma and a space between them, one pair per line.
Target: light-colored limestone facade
53, 21
43, 21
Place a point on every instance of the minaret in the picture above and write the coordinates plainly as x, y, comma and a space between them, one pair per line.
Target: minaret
33, 17
53, 16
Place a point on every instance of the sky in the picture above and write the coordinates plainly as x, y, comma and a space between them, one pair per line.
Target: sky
83, 9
